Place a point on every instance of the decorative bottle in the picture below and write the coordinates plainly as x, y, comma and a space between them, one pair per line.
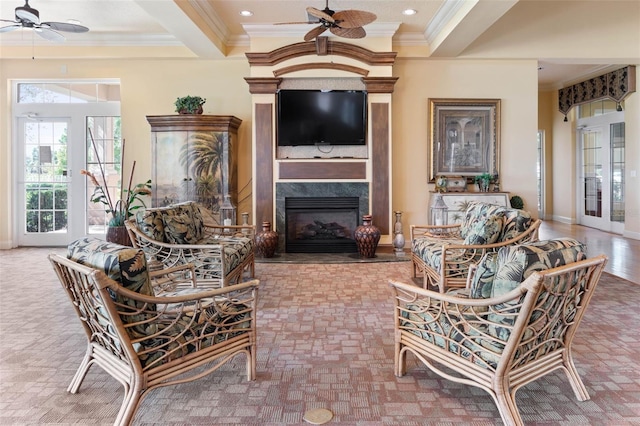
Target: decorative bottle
398, 239
266, 240
367, 237
245, 222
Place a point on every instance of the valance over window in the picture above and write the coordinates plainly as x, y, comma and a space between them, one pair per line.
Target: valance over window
615, 85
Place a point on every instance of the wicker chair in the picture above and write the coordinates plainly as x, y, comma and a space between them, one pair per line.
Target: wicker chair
519, 333
146, 341
181, 234
443, 254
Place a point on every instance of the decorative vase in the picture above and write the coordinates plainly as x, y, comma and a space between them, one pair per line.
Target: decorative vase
266, 240
483, 186
367, 237
398, 239
118, 235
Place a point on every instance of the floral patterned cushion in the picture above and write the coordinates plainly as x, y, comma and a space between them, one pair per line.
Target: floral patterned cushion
484, 231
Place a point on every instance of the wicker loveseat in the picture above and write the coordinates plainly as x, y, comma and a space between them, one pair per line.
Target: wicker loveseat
147, 340
443, 254
182, 234
513, 324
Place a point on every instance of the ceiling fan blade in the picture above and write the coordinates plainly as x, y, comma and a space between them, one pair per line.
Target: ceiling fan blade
9, 28
296, 23
320, 14
357, 32
64, 26
48, 34
314, 33
353, 18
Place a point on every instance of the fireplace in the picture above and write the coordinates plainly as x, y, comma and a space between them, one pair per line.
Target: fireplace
321, 224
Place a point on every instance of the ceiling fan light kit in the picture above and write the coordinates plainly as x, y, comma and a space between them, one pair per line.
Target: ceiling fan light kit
28, 17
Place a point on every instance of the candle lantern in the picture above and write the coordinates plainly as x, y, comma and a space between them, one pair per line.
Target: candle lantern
439, 213
227, 212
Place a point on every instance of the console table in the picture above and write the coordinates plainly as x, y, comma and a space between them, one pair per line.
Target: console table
457, 202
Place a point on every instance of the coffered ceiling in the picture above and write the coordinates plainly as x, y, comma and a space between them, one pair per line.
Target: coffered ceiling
212, 28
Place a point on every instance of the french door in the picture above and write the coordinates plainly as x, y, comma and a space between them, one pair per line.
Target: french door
601, 170
51, 203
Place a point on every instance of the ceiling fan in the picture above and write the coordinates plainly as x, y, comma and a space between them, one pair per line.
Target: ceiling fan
344, 23
28, 17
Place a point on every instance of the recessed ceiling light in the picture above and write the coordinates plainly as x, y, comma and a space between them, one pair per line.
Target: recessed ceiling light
246, 13
409, 12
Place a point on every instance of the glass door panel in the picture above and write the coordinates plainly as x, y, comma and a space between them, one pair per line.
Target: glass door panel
44, 184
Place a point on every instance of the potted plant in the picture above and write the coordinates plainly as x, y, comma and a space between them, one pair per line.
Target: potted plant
189, 105
124, 207
483, 181
517, 202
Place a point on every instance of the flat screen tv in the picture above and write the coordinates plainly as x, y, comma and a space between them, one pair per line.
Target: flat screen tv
319, 117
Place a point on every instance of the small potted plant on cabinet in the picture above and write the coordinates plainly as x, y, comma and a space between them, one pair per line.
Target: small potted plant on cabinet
189, 105
483, 181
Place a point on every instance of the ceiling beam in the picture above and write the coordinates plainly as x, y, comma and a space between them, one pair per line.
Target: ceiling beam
458, 23
183, 21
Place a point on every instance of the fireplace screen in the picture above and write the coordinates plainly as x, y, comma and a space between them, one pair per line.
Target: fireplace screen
321, 224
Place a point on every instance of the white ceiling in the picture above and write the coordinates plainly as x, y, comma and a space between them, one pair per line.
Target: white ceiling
447, 27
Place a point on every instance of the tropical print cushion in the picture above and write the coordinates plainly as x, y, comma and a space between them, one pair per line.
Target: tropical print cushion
482, 282
517, 263
452, 332
125, 265
477, 212
150, 223
236, 250
179, 228
484, 231
515, 223
192, 209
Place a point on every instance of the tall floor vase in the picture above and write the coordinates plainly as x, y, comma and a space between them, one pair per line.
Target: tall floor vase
266, 241
367, 237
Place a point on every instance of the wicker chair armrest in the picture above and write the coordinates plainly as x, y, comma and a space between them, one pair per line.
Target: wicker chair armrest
210, 231
409, 293
169, 279
216, 293
450, 231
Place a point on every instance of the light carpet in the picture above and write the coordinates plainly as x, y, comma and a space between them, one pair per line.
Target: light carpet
325, 340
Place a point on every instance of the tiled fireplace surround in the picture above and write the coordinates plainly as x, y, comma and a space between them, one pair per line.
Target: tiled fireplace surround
313, 189
277, 176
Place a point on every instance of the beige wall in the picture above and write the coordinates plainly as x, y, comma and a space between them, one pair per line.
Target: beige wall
514, 82
149, 87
